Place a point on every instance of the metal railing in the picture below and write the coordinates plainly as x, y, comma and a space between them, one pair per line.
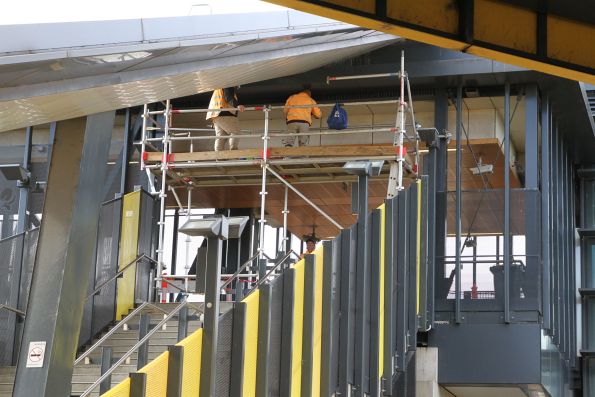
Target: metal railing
120, 272
12, 309
138, 344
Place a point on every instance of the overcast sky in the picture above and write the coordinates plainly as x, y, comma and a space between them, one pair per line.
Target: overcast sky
44, 11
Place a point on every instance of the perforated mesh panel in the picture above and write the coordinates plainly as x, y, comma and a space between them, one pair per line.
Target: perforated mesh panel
10, 268
298, 329
251, 344
191, 365
156, 372
224, 345
145, 240
128, 250
106, 264
274, 365
317, 326
121, 390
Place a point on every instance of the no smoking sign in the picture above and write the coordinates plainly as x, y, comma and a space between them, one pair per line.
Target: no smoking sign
36, 354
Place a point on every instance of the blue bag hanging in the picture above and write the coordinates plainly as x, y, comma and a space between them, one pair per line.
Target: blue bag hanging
337, 120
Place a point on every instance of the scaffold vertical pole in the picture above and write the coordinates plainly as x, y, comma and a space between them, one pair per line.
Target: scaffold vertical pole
188, 238
285, 213
163, 195
263, 190
401, 127
144, 138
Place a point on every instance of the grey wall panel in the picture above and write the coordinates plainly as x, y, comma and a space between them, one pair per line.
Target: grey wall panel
488, 353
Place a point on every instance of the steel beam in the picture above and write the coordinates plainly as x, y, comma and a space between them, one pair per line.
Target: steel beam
441, 175
523, 34
175, 371
65, 253
308, 325
106, 363
264, 341
286, 369
142, 355
390, 302
375, 291
331, 291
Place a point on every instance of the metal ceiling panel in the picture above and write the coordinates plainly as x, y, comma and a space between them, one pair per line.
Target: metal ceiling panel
63, 99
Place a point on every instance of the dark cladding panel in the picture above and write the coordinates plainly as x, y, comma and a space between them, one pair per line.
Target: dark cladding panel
488, 353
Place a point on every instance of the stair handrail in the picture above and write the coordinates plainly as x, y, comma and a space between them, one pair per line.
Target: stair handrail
240, 269
270, 272
12, 309
120, 272
110, 332
138, 344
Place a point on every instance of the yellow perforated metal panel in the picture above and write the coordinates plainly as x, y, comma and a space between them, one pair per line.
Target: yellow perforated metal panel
298, 329
251, 344
156, 372
191, 365
382, 209
317, 334
121, 390
128, 252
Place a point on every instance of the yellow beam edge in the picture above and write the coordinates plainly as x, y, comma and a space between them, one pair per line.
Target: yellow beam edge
428, 38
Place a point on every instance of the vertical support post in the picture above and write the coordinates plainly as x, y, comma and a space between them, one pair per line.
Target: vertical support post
532, 202
507, 203
459, 165
264, 341
65, 253
106, 363
390, 313
263, 190
183, 323
441, 123
401, 269
143, 350
362, 291
211, 317
262, 268
347, 319
286, 369
330, 317
375, 288
24, 187
125, 152
144, 136
175, 371
285, 213
163, 196
401, 128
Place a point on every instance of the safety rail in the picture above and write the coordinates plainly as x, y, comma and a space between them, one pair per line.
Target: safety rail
12, 309
119, 325
138, 344
120, 272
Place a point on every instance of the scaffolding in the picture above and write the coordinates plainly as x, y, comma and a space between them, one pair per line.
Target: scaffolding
402, 158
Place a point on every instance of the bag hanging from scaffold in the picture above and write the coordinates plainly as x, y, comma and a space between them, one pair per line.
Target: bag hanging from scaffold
337, 120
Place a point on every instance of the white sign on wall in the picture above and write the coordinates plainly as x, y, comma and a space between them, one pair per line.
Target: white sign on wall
36, 354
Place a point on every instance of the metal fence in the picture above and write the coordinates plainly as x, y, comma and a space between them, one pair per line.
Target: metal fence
17, 256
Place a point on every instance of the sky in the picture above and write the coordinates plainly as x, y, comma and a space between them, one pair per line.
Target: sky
44, 11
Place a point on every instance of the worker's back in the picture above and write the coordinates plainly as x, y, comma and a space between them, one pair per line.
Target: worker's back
301, 114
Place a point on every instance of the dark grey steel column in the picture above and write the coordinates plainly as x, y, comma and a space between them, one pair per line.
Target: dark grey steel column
459, 165
374, 264
126, 148
507, 250
532, 203
441, 123
24, 188
347, 307
211, 317
362, 291
64, 253
390, 302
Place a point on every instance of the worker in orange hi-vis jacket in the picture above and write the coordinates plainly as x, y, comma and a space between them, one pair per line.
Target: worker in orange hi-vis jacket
225, 122
299, 119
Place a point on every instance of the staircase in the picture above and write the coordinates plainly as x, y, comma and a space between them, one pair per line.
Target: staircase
121, 341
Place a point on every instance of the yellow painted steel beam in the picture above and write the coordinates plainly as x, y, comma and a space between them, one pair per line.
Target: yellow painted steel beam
487, 28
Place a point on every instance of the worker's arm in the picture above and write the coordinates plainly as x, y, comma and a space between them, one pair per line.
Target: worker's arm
316, 110
287, 103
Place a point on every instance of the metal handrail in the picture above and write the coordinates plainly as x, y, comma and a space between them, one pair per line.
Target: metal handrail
120, 272
133, 349
262, 280
12, 309
240, 269
110, 332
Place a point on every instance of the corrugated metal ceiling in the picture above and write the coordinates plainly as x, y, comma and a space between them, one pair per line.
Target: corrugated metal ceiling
46, 91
